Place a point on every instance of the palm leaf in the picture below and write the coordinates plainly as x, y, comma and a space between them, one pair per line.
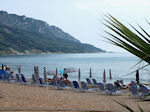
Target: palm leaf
137, 44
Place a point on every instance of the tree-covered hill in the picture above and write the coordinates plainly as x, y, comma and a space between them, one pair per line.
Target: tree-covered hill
19, 34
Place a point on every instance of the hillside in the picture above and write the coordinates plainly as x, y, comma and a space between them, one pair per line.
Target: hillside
19, 34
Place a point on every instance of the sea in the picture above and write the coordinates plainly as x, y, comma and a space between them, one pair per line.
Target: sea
122, 65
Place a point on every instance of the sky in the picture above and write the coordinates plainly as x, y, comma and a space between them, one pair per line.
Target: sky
83, 19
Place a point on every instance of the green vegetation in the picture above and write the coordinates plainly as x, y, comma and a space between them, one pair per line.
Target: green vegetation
136, 43
19, 34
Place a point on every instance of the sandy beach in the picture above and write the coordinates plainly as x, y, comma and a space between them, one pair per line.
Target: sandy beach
16, 96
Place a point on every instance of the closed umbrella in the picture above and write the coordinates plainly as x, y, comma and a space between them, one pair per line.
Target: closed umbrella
104, 76
137, 76
69, 70
45, 75
79, 75
110, 74
90, 73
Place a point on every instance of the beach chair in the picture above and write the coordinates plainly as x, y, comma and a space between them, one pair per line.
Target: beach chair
101, 89
112, 90
134, 91
144, 90
41, 84
18, 80
89, 82
85, 88
134, 83
23, 79
33, 80
76, 85
94, 82
53, 84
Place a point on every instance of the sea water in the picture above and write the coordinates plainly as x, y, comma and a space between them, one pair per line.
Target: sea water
121, 65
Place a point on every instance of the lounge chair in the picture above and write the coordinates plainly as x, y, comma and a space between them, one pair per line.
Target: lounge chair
134, 83
144, 90
18, 80
23, 79
89, 82
41, 82
112, 90
94, 82
33, 80
101, 89
85, 88
76, 85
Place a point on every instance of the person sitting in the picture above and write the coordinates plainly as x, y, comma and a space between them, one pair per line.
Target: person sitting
66, 81
117, 85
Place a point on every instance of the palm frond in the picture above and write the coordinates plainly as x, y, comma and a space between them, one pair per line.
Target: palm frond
136, 43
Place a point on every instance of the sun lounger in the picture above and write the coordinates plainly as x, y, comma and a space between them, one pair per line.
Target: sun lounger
24, 81
33, 79
84, 87
101, 89
144, 90
89, 81
134, 83
18, 80
112, 90
76, 85
94, 82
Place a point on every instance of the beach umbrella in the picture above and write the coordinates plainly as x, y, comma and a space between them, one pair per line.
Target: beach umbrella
69, 70
19, 69
45, 75
61, 72
110, 77
37, 73
104, 76
56, 72
79, 75
137, 76
90, 73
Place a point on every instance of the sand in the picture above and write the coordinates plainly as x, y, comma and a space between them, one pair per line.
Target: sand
16, 96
